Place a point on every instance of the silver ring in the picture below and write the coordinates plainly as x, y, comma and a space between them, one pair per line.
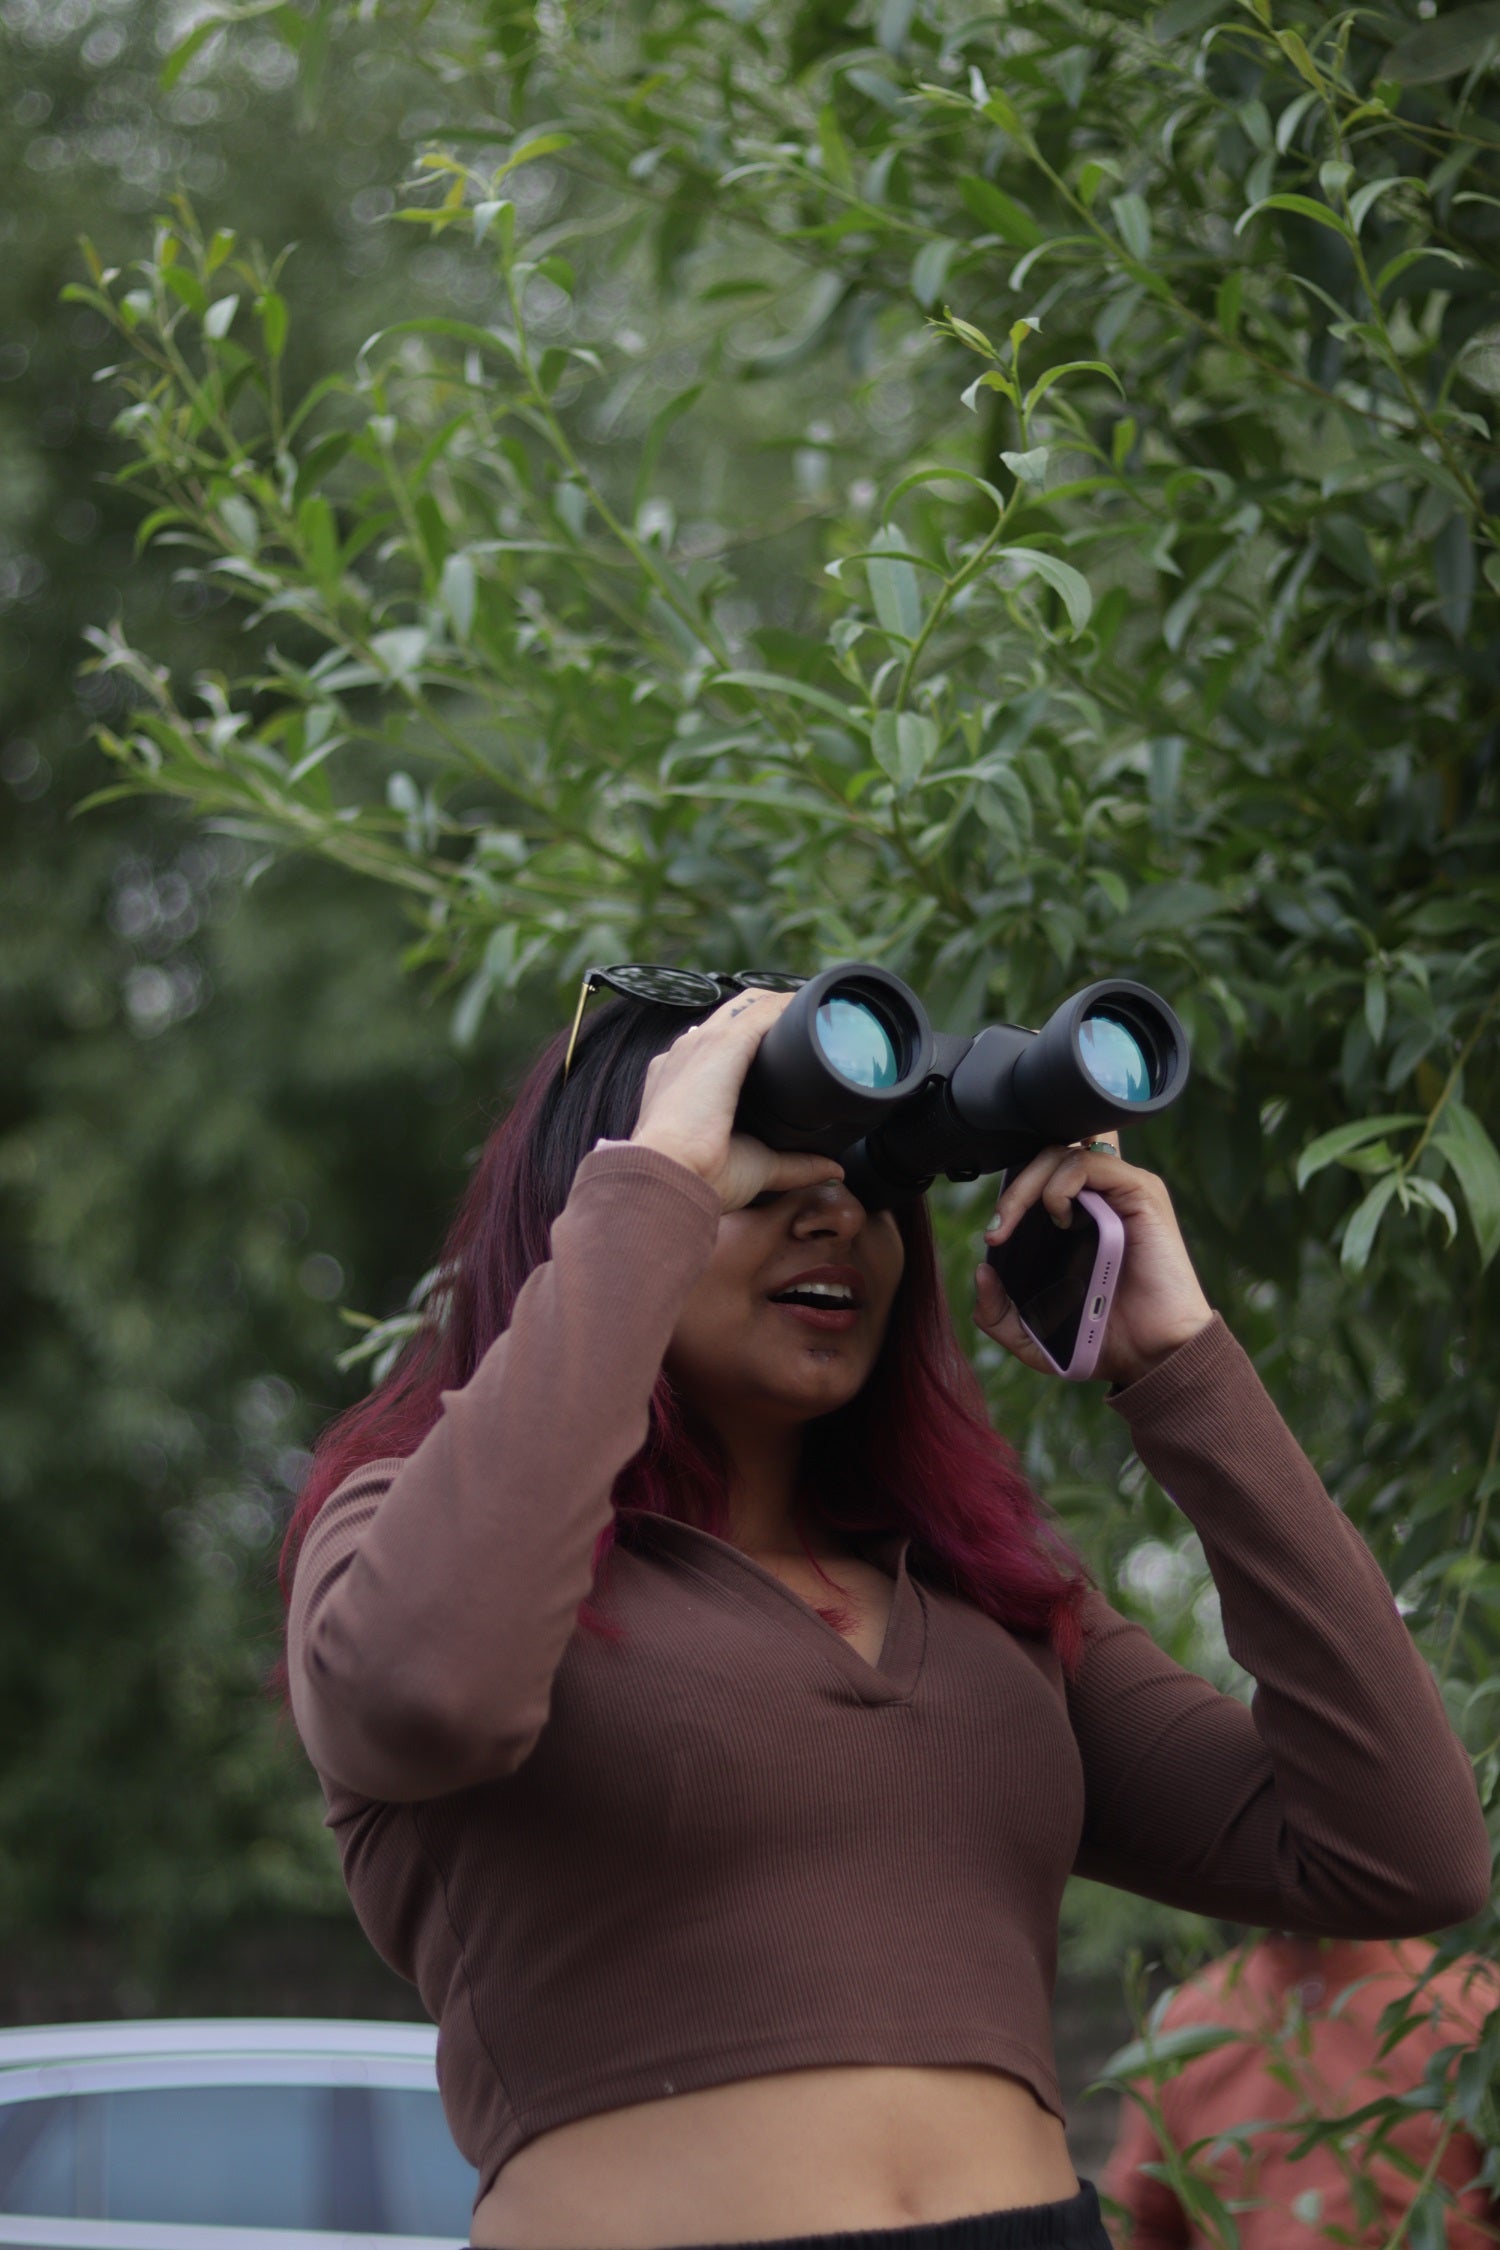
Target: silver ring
1101, 1148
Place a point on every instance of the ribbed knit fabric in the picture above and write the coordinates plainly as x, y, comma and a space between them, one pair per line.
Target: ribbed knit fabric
1074, 2224
728, 1845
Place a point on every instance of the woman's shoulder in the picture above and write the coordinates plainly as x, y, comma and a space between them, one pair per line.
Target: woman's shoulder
347, 1509
368, 1481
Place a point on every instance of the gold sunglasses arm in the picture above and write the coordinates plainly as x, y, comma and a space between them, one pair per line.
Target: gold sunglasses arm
584, 990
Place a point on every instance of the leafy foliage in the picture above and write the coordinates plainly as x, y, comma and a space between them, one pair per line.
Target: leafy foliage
1007, 495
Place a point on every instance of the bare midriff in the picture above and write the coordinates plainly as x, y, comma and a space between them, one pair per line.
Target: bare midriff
803, 2152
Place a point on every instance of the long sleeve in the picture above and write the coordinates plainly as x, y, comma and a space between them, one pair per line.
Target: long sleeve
434, 1597
1340, 1801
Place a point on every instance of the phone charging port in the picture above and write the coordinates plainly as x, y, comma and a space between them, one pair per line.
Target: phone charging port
1097, 1307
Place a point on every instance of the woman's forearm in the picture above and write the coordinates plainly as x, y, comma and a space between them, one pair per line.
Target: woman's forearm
1343, 1800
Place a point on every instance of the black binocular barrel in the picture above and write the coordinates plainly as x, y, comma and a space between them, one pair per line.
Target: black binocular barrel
851, 1046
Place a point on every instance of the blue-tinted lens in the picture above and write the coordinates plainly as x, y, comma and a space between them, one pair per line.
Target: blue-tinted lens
1113, 1060
857, 1043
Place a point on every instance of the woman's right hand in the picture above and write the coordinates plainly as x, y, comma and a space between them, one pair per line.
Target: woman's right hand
691, 1094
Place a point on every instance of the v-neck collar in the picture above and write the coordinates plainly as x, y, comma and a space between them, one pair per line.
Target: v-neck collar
890, 1680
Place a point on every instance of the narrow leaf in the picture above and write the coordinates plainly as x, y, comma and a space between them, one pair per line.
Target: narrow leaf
893, 587
1044, 383
1359, 1235
185, 49
1305, 208
1441, 49
1463, 1140
994, 209
1329, 1147
1070, 583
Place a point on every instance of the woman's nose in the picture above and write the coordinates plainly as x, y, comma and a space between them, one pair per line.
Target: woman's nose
830, 1208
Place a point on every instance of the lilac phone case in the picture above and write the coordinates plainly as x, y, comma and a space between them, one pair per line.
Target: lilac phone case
1101, 1289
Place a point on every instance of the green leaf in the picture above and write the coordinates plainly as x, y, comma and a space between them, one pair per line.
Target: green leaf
189, 45
273, 322
1133, 218
527, 151
967, 333
187, 288
993, 381
929, 270
1427, 1191
1294, 47
1030, 468
1441, 49
1142, 2056
458, 588
775, 683
837, 162
241, 521
893, 586
1044, 383
994, 209
219, 318
1463, 1140
1453, 566
1329, 1147
1303, 205
1364, 199
905, 744
1061, 576
1359, 1235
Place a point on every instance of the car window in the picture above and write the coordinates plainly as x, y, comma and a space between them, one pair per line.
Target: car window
39, 2158
427, 2188
248, 2156
338, 2158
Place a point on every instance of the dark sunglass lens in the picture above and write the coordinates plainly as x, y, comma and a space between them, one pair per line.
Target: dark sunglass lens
671, 988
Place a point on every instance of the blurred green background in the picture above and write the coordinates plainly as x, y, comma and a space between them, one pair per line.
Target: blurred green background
224, 1112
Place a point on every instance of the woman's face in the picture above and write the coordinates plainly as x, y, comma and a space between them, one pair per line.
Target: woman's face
742, 1344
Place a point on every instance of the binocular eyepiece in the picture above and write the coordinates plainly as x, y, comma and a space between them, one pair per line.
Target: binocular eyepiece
853, 1069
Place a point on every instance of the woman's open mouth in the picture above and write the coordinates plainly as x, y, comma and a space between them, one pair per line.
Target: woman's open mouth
830, 1304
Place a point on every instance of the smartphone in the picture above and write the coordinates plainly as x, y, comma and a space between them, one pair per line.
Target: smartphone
1062, 1280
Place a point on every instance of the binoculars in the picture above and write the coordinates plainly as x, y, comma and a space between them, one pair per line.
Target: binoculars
853, 1069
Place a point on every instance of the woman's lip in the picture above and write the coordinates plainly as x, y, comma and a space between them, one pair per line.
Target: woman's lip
834, 1321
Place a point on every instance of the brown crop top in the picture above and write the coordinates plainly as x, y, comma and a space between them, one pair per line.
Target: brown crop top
730, 1846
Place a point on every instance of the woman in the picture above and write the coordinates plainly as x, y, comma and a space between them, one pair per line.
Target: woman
738, 1915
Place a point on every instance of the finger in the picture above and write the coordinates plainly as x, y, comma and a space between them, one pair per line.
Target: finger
755, 1004
1018, 1195
801, 1168
996, 1317
991, 1304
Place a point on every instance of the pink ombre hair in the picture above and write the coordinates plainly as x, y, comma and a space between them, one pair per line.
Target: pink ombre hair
913, 1453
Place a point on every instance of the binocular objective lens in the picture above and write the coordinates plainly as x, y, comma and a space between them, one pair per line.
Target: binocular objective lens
1114, 1060
857, 1043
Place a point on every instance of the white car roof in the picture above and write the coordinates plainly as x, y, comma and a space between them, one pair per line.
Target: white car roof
223, 2038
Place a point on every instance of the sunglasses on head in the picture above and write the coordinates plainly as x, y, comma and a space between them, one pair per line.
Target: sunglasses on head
673, 988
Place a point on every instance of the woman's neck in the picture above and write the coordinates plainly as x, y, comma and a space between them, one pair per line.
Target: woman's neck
764, 1463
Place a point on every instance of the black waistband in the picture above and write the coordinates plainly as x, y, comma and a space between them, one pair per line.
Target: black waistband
1074, 2224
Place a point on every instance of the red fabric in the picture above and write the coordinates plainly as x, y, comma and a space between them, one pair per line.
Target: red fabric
1336, 1989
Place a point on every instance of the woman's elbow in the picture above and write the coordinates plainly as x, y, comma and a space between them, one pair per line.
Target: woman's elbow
399, 1737
1450, 1885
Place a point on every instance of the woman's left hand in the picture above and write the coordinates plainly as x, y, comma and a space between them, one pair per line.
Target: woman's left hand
1158, 1302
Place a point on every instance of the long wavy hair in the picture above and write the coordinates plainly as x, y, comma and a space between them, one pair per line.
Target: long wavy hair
913, 1453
